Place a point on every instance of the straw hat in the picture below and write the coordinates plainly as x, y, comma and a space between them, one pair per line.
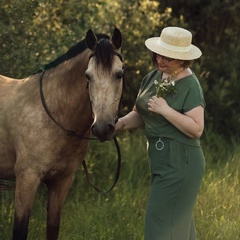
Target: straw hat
174, 42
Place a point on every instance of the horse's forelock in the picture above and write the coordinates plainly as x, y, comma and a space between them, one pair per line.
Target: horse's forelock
104, 53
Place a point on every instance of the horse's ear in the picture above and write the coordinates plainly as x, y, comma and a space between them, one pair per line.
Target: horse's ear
91, 40
116, 39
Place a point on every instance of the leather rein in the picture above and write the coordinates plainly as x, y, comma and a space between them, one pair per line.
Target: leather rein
74, 134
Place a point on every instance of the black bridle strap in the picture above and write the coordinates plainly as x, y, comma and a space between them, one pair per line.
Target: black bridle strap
116, 174
73, 133
69, 132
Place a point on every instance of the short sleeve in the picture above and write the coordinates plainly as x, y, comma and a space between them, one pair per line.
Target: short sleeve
194, 97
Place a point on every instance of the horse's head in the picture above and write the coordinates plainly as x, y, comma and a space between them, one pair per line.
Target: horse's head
105, 79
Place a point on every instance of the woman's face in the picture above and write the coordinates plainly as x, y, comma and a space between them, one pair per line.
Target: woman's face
168, 65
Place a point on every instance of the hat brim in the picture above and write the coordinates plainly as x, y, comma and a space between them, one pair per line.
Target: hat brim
153, 45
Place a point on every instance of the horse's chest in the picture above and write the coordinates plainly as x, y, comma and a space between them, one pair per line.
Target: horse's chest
64, 161
62, 167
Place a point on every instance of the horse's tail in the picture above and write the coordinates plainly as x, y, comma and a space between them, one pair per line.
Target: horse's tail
7, 184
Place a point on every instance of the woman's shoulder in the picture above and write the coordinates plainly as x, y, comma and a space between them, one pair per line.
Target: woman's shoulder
189, 80
152, 74
149, 79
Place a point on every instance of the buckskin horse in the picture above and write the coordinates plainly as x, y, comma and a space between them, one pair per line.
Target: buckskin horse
46, 119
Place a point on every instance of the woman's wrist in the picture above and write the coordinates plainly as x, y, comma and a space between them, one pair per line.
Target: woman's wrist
122, 125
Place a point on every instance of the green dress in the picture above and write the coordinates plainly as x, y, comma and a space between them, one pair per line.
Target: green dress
176, 161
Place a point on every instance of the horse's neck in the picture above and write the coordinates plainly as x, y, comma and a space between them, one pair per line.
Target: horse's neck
66, 93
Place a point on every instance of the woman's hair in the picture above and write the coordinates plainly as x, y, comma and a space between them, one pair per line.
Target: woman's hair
185, 64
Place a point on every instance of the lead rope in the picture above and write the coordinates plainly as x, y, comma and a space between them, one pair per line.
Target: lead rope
116, 174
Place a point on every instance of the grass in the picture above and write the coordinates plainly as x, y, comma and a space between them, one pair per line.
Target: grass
218, 205
119, 214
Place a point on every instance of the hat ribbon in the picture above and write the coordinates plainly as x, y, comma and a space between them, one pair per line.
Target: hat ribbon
174, 48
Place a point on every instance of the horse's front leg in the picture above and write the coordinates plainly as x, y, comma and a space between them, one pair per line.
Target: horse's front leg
26, 186
57, 193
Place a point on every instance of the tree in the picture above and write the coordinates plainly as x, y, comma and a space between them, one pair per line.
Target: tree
35, 32
43, 30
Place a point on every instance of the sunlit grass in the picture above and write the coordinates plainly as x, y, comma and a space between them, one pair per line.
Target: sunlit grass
119, 214
218, 205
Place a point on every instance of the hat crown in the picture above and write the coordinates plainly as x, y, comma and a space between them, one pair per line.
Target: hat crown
176, 36
174, 42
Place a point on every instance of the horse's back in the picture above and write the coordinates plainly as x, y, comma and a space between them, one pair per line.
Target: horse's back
10, 100
10, 89
7, 81
8, 85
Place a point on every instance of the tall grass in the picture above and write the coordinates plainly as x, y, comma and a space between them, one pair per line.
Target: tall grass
119, 214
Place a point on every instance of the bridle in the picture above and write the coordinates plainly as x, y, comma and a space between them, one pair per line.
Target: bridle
74, 134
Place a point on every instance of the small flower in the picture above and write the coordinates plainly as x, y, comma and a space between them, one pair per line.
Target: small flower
165, 86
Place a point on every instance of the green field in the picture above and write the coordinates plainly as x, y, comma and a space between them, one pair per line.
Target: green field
119, 215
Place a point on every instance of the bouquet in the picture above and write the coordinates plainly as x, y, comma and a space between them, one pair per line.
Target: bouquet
165, 86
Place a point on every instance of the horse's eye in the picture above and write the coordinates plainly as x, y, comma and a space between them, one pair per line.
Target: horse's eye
88, 76
119, 75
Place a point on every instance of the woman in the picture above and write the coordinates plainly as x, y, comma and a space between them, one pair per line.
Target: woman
170, 106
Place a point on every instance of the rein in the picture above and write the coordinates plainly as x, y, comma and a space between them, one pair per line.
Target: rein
74, 134
69, 132
116, 174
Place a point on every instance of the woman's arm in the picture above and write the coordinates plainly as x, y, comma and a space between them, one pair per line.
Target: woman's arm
190, 123
129, 121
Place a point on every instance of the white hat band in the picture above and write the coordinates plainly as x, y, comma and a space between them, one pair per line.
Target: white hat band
174, 48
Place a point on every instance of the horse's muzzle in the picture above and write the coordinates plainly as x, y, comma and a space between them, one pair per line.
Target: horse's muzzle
104, 132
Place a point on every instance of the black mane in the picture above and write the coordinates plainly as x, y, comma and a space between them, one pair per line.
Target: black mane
101, 55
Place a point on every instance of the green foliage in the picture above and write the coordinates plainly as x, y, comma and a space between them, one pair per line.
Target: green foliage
218, 205
35, 32
222, 49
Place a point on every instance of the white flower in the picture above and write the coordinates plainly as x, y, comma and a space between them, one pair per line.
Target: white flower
164, 87
155, 82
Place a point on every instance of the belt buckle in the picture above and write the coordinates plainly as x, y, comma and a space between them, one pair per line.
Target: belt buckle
159, 145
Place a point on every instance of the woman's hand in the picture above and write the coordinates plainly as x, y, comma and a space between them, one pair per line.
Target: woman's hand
157, 105
130, 121
119, 126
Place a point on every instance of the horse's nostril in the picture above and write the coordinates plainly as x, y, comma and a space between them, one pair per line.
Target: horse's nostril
92, 128
111, 128
103, 131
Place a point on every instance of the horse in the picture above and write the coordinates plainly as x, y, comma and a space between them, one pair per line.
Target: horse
47, 118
